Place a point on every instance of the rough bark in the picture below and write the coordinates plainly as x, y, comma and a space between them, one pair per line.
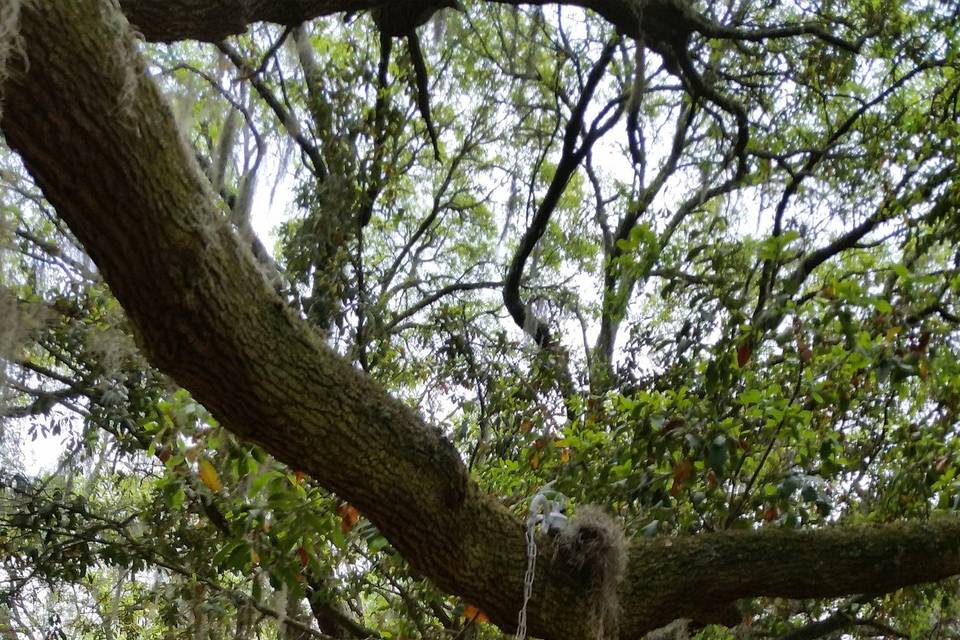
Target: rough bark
172, 20
99, 139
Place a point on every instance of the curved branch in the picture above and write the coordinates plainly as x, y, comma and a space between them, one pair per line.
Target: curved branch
770, 266
287, 121
434, 297
780, 32
569, 161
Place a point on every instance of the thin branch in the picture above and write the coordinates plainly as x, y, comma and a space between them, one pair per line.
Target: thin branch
569, 161
437, 295
287, 119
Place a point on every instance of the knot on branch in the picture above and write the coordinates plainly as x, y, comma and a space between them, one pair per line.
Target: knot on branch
666, 24
398, 18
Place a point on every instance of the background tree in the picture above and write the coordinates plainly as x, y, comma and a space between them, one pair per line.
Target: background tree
692, 263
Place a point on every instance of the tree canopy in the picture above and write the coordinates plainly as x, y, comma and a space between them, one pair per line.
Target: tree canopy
689, 269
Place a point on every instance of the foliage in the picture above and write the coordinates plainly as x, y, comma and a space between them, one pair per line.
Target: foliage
749, 337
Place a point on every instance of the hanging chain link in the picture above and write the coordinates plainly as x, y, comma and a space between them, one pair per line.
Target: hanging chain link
528, 576
546, 512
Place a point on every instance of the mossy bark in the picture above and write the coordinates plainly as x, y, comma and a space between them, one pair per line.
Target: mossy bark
101, 142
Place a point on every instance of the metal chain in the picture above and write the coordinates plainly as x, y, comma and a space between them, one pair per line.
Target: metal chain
528, 576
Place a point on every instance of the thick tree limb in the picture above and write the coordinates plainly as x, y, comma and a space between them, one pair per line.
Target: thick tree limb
173, 20
102, 144
663, 23
213, 20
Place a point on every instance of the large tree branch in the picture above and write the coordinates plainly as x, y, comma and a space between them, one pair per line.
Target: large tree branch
214, 20
700, 571
100, 141
662, 23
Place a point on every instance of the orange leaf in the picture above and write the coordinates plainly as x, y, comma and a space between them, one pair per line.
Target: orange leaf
712, 480
942, 463
303, 556
683, 471
208, 475
349, 516
473, 614
743, 353
770, 513
299, 476
535, 460
673, 423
